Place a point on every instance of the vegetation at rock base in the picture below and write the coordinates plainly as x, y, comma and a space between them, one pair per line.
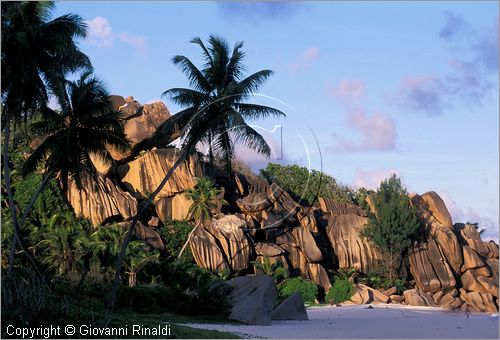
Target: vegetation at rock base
175, 234
394, 225
341, 290
304, 184
264, 266
360, 196
307, 289
206, 199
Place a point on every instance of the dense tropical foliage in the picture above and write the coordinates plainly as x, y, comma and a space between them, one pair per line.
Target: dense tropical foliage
394, 225
304, 184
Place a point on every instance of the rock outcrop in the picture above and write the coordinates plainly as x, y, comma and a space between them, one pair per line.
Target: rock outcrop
292, 308
144, 174
352, 250
450, 265
102, 201
252, 299
430, 269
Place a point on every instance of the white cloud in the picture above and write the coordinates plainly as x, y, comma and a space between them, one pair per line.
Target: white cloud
100, 33
372, 179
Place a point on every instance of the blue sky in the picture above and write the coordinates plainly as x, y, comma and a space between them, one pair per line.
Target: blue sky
374, 87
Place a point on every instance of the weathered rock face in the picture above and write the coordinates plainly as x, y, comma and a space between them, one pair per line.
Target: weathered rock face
268, 249
253, 299
230, 235
450, 247
205, 251
430, 270
141, 122
147, 234
307, 245
144, 174
292, 308
416, 297
175, 207
319, 276
352, 250
478, 302
332, 207
101, 205
471, 237
432, 210
229, 247
365, 294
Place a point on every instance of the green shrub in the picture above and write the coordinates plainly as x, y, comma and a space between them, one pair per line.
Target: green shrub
275, 270
307, 289
304, 184
174, 234
341, 290
49, 201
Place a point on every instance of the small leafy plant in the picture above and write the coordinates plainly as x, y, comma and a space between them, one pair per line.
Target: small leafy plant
307, 289
341, 290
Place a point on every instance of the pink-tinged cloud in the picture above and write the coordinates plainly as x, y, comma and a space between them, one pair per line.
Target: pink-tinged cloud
372, 179
349, 90
136, 41
376, 132
306, 59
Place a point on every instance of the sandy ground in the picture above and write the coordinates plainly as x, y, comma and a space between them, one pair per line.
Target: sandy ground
381, 322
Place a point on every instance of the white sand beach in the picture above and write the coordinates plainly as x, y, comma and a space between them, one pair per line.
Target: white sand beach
381, 322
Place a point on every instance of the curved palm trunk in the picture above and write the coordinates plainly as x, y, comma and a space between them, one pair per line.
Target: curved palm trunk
188, 239
25, 216
121, 256
12, 205
210, 154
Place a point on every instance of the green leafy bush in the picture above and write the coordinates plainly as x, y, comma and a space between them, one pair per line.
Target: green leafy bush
304, 184
174, 234
275, 270
49, 201
377, 281
307, 289
341, 290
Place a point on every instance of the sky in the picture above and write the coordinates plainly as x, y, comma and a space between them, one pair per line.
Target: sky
369, 88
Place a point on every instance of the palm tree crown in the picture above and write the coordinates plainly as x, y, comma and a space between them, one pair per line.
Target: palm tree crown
217, 100
88, 125
37, 53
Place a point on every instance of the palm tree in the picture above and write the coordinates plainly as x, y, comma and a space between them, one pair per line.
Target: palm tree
220, 86
216, 102
62, 247
137, 258
206, 199
37, 54
88, 124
